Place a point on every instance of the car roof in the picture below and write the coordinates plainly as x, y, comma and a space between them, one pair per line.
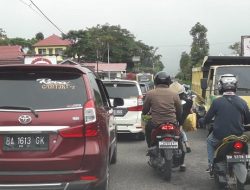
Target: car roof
119, 81
58, 67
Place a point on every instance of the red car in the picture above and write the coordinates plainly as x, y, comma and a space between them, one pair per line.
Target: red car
57, 129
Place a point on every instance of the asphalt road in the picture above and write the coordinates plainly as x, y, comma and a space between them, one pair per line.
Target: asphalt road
131, 172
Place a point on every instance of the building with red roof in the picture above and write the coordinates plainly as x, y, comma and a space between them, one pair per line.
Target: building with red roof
52, 45
114, 70
11, 55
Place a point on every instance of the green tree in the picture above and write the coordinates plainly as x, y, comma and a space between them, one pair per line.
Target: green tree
185, 67
110, 43
39, 36
81, 44
236, 47
3, 38
200, 45
2, 34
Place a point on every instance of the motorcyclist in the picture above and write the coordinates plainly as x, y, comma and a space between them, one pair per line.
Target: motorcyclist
162, 103
230, 112
187, 104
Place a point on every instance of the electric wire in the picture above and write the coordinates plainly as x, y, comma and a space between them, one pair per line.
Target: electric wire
46, 17
29, 5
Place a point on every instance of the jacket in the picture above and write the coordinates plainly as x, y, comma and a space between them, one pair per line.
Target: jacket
228, 119
163, 104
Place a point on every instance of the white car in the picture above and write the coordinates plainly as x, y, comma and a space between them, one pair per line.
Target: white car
128, 116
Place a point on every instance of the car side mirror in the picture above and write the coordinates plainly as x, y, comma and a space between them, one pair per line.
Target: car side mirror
118, 102
204, 83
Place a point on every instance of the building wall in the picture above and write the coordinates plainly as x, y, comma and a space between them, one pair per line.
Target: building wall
51, 50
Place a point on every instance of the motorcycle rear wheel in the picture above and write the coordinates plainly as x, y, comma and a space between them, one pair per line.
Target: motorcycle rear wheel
239, 186
167, 171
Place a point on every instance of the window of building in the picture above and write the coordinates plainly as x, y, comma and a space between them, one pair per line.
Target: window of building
50, 51
59, 51
42, 51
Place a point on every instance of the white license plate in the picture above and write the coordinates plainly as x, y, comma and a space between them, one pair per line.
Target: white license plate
238, 158
119, 112
168, 144
29, 142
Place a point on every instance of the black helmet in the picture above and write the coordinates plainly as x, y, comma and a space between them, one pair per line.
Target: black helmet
162, 78
227, 83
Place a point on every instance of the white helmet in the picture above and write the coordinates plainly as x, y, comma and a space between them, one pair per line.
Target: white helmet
227, 82
177, 87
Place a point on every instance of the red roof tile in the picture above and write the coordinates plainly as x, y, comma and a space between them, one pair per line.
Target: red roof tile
52, 40
105, 67
11, 52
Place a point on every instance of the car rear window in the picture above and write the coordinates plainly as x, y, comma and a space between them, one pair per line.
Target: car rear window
40, 90
122, 90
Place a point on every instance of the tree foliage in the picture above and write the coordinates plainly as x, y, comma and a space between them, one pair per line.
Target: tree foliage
200, 45
39, 36
236, 48
199, 49
25, 43
112, 44
2, 34
105, 43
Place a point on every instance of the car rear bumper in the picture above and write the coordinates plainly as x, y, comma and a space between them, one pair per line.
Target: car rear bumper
130, 128
76, 185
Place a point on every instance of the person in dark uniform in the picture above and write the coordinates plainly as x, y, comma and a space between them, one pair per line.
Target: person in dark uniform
229, 111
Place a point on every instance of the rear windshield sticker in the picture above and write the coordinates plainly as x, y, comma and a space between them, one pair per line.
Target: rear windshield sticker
52, 85
74, 105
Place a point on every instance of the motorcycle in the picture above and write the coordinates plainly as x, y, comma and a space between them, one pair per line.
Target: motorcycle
166, 151
230, 168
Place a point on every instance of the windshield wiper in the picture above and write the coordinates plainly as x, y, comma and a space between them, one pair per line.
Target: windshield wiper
20, 108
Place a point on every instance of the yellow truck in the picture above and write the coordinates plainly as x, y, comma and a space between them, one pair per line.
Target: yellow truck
205, 79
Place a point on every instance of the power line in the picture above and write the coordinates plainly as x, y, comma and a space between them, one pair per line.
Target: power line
29, 5
46, 17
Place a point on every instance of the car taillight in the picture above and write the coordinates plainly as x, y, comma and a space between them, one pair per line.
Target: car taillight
135, 108
90, 119
72, 132
88, 178
89, 112
139, 105
91, 130
140, 100
238, 145
167, 127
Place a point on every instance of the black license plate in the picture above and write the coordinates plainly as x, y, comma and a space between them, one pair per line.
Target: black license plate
32, 142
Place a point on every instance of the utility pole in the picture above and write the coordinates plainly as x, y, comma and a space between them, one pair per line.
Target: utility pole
97, 57
108, 62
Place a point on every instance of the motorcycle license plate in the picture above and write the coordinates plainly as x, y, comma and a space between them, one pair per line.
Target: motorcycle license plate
238, 158
168, 144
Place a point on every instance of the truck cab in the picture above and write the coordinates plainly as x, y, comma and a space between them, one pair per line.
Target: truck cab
205, 79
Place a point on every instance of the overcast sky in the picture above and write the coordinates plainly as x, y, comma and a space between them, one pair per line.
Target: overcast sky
160, 23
